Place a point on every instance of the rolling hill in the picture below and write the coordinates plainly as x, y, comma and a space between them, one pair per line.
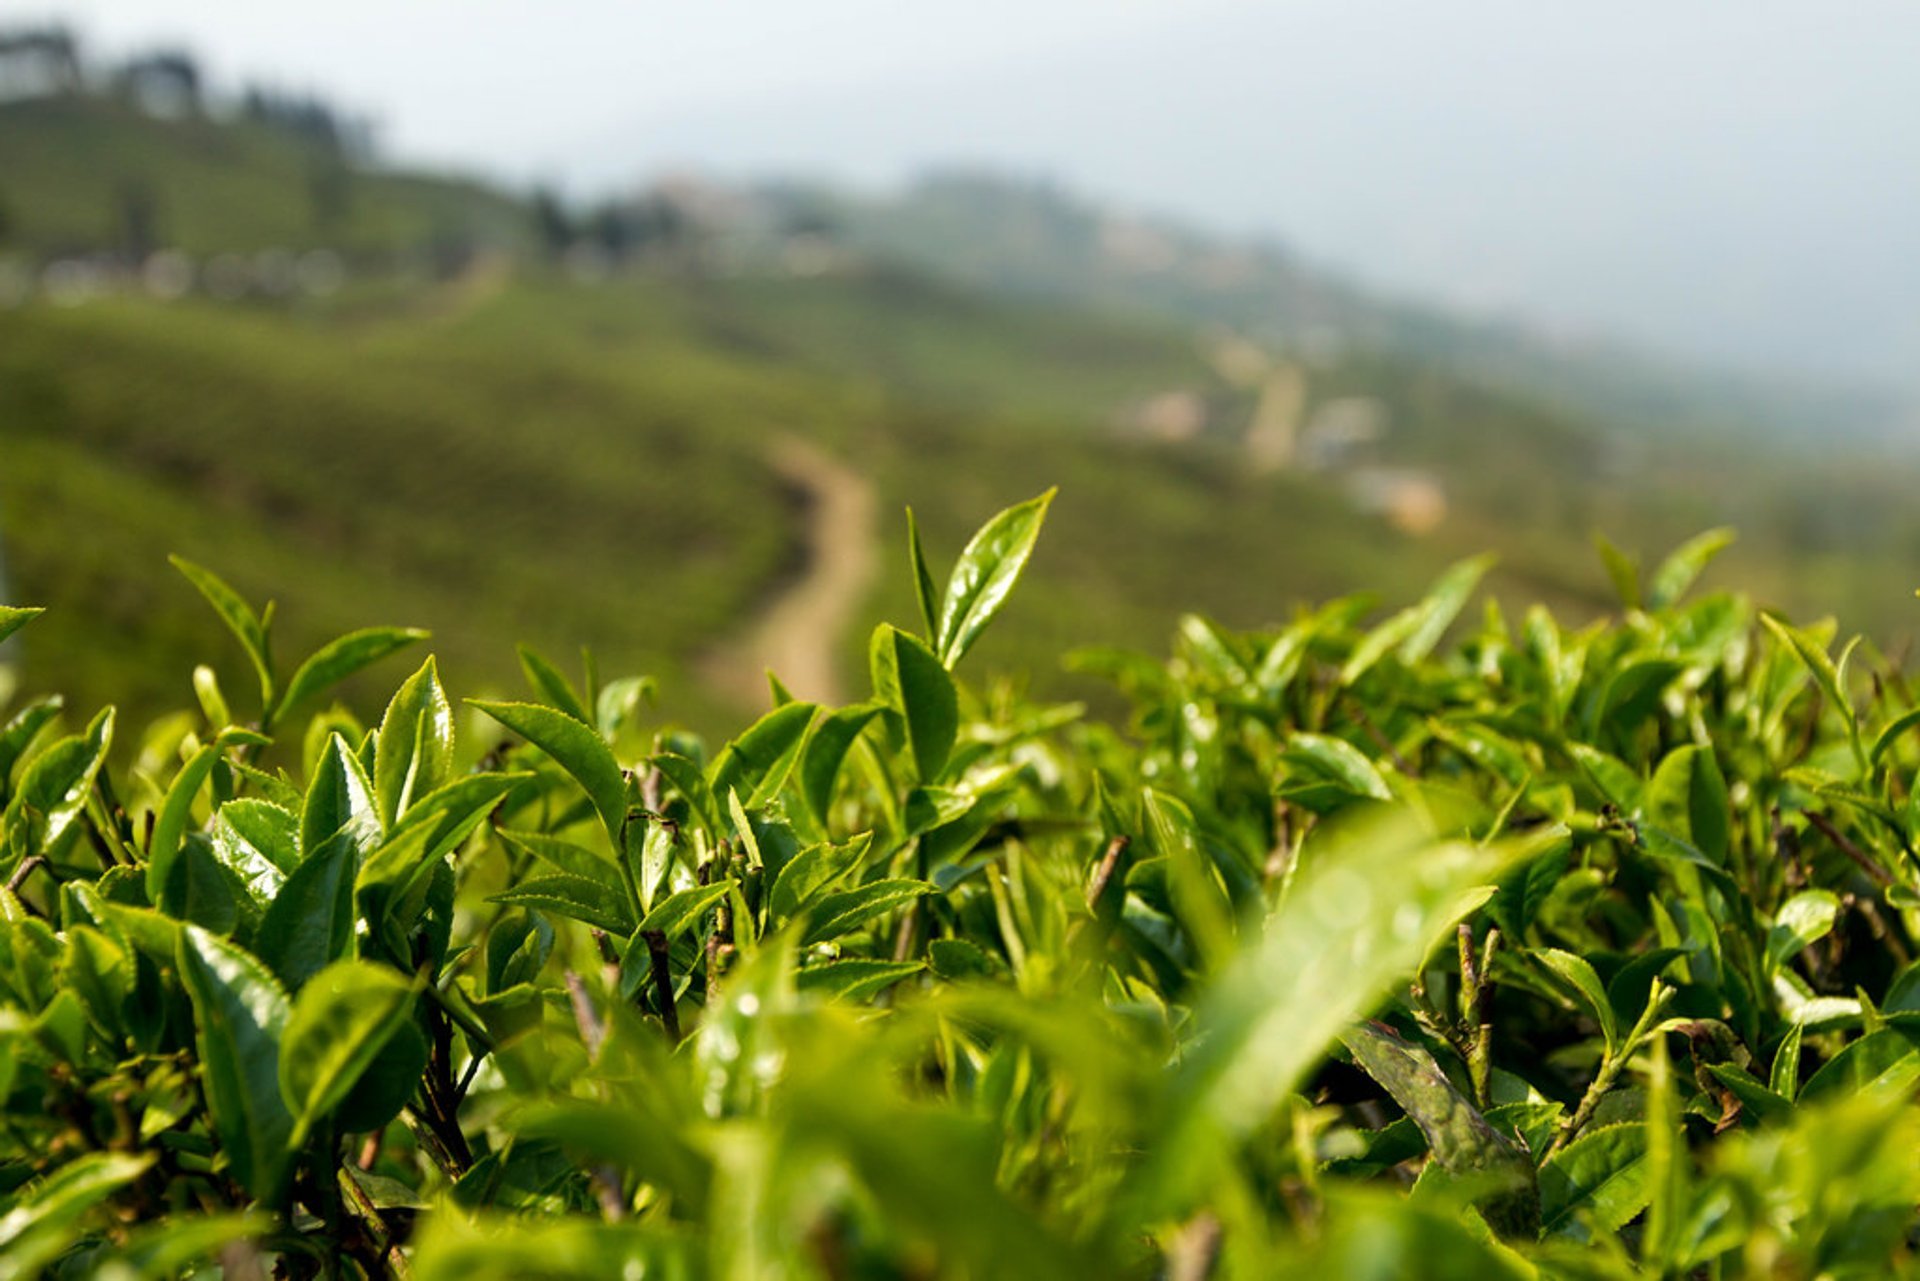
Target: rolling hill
520, 451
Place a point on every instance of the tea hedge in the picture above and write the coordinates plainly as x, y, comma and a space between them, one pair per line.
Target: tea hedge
1412, 947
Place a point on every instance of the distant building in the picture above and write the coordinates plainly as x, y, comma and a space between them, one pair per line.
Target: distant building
1273, 435
162, 84
1170, 416
1340, 432
1413, 502
37, 63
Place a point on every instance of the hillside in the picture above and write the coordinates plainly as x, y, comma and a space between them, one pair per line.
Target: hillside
522, 451
595, 459
74, 169
993, 232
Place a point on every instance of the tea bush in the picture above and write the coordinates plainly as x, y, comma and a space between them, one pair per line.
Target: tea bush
1357, 951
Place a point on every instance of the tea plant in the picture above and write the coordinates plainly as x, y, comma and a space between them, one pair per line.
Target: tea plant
1547, 951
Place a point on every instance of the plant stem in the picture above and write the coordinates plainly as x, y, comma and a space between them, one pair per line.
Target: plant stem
1611, 1067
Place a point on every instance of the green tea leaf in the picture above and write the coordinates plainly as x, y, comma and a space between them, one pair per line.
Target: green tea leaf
1578, 973
551, 684
340, 800
1458, 1136
577, 749
309, 924
923, 589
757, 763
826, 749
682, 908
14, 617
413, 754
20, 731
573, 860
1801, 921
576, 897
47, 1216
984, 575
910, 680
176, 812
340, 658
1335, 760
815, 869
840, 914
53, 791
1889, 1057
1443, 603
240, 1016
341, 1020
855, 979
258, 842
1680, 569
1600, 1179
1359, 916
250, 628
1688, 797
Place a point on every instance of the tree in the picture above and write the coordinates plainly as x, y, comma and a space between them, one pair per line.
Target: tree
554, 225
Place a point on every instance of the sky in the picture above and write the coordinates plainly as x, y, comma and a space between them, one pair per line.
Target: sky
1728, 180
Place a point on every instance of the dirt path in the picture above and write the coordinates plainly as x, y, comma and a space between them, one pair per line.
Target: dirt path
801, 628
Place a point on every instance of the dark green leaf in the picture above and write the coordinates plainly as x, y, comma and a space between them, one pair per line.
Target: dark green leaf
815, 869
577, 749
1458, 1136
1601, 1177
826, 749
909, 679
517, 948
841, 914
340, 658
757, 763
564, 856
576, 897
855, 979
240, 1015
1577, 973
923, 589
309, 924
341, 1020
682, 908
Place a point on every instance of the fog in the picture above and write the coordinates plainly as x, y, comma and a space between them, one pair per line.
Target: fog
1729, 183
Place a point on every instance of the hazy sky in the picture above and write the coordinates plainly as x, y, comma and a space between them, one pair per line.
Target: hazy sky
1734, 179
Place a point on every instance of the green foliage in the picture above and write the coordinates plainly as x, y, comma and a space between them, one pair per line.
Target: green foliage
1411, 948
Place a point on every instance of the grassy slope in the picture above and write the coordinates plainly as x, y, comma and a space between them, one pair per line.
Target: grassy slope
216, 187
572, 464
583, 465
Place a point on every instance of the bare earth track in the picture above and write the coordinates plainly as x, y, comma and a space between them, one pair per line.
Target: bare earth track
797, 634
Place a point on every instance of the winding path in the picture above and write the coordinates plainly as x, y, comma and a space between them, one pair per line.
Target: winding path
800, 629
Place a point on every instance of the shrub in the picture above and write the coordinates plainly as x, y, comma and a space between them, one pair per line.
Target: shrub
1355, 952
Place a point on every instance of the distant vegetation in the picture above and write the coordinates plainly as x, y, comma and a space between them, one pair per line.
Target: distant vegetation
234, 331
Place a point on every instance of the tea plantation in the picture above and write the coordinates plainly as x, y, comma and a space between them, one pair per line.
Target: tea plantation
1445, 944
